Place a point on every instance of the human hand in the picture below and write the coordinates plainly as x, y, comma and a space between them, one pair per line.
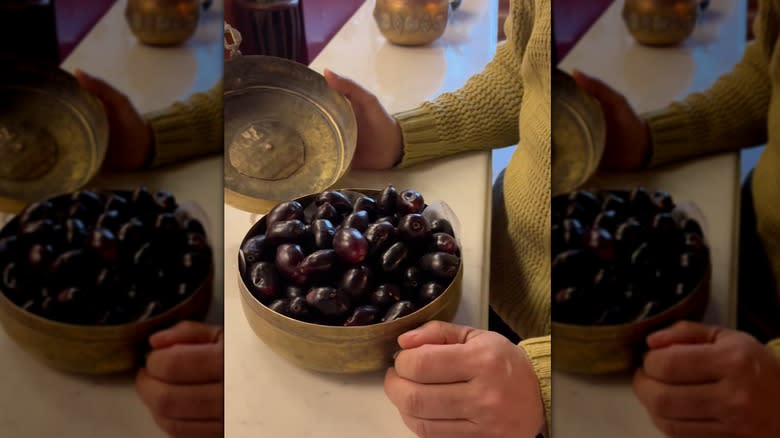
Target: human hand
701, 381
182, 383
628, 136
453, 381
379, 139
129, 134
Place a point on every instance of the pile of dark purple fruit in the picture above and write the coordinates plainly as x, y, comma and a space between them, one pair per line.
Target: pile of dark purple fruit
350, 259
621, 256
103, 258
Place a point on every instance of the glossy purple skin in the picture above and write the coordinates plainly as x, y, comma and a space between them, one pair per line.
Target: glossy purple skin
323, 232
380, 236
328, 301
257, 249
104, 243
411, 279
399, 310
286, 232
388, 200
358, 220
385, 295
337, 199
328, 212
356, 281
410, 201
394, 257
350, 245
285, 211
602, 244
443, 242
264, 280
414, 228
36, 211
363, 315
288, 257
315, 265
367, 204
430, 291
440, 264
299, 308
165, 201
442, 226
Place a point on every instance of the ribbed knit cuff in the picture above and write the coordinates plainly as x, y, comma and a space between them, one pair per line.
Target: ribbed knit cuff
538, 351
172, 136
420, 136
669, 135
774, 345
188, 129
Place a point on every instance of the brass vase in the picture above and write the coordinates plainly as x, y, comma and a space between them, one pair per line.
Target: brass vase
660, 22
412, 22
163, 22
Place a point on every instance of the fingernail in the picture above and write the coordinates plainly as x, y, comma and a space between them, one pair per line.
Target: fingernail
395, 355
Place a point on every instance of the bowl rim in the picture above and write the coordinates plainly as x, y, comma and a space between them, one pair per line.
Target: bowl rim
245, 290
94, 329
605, 328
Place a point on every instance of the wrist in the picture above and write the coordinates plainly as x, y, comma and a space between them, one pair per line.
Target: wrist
646, 146
147, 148
398, 155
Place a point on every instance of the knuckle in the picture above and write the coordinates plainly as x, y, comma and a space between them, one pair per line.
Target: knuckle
740, 400
659, 403
421, 429
739, 360
413, 402
163, 403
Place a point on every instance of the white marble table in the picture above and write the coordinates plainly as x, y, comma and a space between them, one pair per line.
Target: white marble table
37, 402
651, 78
265, 394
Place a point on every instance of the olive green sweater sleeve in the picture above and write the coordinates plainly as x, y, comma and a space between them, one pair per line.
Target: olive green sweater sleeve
538, 351
730, 115
483, 114
774, 346
188, 129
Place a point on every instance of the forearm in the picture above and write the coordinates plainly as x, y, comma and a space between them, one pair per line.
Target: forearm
187, 129
730, 115
484, 113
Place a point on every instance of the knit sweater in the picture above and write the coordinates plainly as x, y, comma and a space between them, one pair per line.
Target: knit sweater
508, 101
187, 129
741, 109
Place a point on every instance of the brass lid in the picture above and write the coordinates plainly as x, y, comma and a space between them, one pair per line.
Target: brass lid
578, 134
53, 134
287, 133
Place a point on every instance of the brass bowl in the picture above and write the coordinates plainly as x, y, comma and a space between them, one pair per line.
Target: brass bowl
163, 22
53, 134
287, 133
607, 349
85, 349
412, 22
578, 134
333, 349
660, 22
616, 348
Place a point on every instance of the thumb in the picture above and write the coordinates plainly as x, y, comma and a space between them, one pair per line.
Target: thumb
107, 94
437, 333
349, 88
683, 332
186, 332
